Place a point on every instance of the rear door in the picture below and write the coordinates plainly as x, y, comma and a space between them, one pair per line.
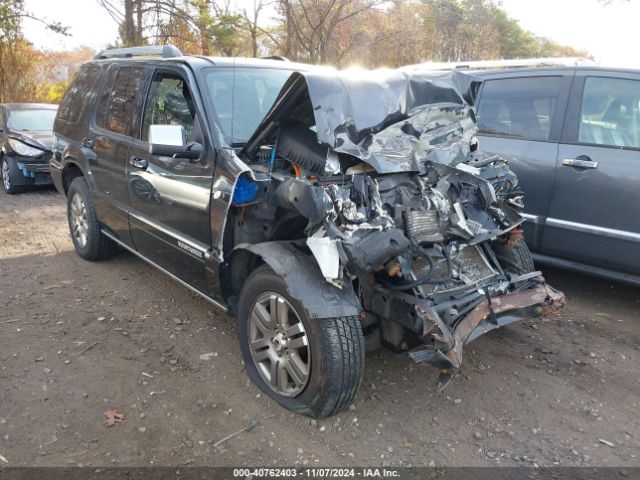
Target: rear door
520, 118
110, 136
170, 197
594, 216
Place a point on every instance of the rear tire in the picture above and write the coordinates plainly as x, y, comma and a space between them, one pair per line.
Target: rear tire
333, 353
11, 176
515, 259
89, 241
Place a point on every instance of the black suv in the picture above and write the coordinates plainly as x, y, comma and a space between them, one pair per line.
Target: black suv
572, 135
26, 134
326, 210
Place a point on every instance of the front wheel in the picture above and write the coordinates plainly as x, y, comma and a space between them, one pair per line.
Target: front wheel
309, 366
11, 176
89, 241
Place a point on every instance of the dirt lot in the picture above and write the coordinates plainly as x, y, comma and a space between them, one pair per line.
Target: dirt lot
78, 339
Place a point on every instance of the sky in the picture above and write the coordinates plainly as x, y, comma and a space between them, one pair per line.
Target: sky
606, 31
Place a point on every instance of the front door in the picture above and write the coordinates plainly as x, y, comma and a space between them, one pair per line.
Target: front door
594, 216
169, 197
520, 118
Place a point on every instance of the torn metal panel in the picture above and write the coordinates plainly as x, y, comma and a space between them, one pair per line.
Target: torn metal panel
392, 199
326, 252
544, 299
415, 117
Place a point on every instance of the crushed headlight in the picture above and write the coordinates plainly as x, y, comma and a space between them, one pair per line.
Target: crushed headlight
23, 149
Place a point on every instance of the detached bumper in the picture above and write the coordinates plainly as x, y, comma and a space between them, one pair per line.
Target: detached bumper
35, 171
540, 301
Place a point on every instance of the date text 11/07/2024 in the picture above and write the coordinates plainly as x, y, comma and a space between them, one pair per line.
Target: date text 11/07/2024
315, 473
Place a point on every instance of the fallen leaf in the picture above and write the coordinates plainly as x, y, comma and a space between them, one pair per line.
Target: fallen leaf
113, 417
144, 316
208, 356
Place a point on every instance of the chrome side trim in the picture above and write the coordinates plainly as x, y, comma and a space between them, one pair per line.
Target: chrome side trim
201, 247
624, 277
171, 275
537, 219
585, 228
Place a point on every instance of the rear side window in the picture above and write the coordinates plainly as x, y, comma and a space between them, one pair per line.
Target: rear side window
79, 94
105, 96
122, 99
519, 107
610, 112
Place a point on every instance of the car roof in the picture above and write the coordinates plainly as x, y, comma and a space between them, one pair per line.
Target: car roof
30, 106
538, 70
197, 62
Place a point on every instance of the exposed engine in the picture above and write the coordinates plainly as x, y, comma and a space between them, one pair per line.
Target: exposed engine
404, 212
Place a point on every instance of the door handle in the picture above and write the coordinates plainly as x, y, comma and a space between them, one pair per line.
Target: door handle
138, 163
580, 162
89, 143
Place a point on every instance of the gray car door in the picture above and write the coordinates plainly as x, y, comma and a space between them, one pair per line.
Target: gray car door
520, 118
594, 217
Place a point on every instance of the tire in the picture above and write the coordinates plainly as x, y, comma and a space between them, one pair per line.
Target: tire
515, 259
81, 214
12, 178
334, 350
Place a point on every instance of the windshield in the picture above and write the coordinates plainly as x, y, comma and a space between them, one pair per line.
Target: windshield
32, 119
241, 98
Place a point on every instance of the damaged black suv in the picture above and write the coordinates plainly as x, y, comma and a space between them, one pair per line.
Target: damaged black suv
327, 211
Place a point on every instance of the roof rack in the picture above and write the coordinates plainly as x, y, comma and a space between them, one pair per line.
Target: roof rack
164, 51
276, 57
499, 64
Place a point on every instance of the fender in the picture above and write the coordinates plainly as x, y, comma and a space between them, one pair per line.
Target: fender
72, 156
305, 282
68, 153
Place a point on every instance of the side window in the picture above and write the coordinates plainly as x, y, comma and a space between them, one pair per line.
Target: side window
169, 103
105, 96
610, 112
519, 107
79, 94
123, 97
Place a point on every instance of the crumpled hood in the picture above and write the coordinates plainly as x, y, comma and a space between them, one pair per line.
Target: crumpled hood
38, 139
394, 120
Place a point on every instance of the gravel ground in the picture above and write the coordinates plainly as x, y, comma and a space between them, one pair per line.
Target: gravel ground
78, 339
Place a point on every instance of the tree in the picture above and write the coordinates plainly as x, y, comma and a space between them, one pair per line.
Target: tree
251, 23
310, 25
339, 32
18, 58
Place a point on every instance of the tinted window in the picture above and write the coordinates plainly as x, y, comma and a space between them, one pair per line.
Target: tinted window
519, 107
169, 103
105, 96
241, 98
79, 94
610, 112
122, 101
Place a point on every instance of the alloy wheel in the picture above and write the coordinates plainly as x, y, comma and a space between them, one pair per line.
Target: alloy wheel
5, 176
279, 344
80, 224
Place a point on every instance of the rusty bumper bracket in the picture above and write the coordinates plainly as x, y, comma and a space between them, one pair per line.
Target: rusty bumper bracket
543, 297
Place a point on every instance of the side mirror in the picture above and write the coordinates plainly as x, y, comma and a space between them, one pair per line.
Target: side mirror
170, 141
